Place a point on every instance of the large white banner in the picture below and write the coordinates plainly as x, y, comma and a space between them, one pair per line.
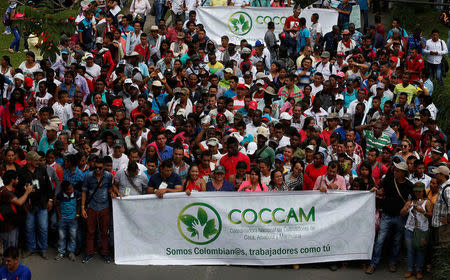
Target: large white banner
250, 23
244, 228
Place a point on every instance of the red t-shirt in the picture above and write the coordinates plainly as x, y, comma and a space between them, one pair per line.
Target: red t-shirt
311, 175
291, 23
416, 64
230, 163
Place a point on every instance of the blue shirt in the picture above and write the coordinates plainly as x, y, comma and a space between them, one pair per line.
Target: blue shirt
162, 99
301, 41
68, 204
341, 131
166, 153
87, 31
21, 273
76, 178
344, 18
156, 180
229, 93
415, 42
429, 85
44, 146
363, 5
348, 98
100, 200
227, 186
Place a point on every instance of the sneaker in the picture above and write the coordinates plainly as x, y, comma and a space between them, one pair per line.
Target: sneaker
6, 33
370, 270
72, 257
44, 255
59, 257
10, 50
25, 50
392, 268
87, 258
107, 259
419, 275
26, 254
408, 274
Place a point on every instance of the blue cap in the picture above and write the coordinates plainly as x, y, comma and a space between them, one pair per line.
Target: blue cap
267, 116
64, 51
279, 157
258, 43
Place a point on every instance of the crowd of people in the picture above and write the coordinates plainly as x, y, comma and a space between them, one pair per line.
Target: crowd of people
128, 111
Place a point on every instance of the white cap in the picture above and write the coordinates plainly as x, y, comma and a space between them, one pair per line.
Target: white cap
134, 85
88, 55
251, 148
339, 97
19, 76
128, 81
171, 129
285, 116
206, 119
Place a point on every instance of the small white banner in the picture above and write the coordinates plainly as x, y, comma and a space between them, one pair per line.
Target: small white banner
267, 228
250, 23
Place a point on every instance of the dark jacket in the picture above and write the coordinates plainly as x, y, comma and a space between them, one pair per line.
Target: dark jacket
41, 182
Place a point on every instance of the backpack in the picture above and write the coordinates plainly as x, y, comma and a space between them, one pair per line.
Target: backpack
99, 59
330, 65
444, 62
7, 16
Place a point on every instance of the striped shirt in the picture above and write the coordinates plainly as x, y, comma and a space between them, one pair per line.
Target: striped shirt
377, 143
295, 93
441, 208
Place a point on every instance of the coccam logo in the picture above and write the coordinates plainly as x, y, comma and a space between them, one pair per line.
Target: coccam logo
240, 23
199, 223
266, 19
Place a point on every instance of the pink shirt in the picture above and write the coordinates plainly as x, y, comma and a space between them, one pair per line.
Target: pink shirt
258, 188
322, 182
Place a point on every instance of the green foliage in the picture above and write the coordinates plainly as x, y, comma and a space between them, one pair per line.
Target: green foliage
52, 21
199, 223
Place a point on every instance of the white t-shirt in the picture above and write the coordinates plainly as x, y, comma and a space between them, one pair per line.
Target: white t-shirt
313, 30
315, 89
120, 163
93, 71
42, 102
29, 71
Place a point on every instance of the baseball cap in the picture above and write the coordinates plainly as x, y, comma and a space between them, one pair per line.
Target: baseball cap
262, 131
333, 115
417, 116
340, 74
171, 129
253, 105
285, 116
64, 51
206, 119
117, 102
438, 149
219, 169
228, 70
325, 54
88, 55
251, 148
52, 126
244, 86
310, 147
259, 82
340, 54
266, 118
117, 143
260, 75
346, 117
401, 165
248, 74
32, 155
99, 40
339, 97
154, 28
380, 86
19, 76
246, 51
258, 43
28, 82
156, 84
128, 81
279, 157
157, 118
441, 170
212, 142
134, 85
345, 32
93, 127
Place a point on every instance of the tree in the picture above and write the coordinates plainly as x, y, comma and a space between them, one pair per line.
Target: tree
48, 19
303, 3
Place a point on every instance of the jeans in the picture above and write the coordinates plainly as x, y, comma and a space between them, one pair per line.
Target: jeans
67, 230
36, 229
16, 43
291, 44
435, 72
448, 43
158, 11
365, 15
10, 239
95, 218
396, 225
415, 257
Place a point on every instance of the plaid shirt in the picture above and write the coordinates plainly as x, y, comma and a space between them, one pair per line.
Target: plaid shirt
441, 209
74, 178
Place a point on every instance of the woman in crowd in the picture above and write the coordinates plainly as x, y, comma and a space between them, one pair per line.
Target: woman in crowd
294, 178
193, 183
29, 66
254, 183
277, 182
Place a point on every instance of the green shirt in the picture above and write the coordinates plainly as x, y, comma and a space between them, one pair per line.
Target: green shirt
377, 143
266, 152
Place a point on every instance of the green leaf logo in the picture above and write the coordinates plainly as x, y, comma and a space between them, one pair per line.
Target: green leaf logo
240, 23
199, 223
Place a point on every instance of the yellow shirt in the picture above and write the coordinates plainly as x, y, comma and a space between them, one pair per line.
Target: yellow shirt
218, 3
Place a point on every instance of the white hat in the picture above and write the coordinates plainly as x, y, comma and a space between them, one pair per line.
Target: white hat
99, 40
181, 112
251, 148
88, 55
128, 81
171, 129
260, 81
310, 147
401, 165
206, 119
212, 142
156, 84
285, 116
134, 85
339, 97
19, 76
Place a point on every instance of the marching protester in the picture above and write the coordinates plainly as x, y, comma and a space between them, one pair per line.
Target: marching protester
129, 109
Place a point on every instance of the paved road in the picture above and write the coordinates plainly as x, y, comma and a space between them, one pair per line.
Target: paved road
97, 269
